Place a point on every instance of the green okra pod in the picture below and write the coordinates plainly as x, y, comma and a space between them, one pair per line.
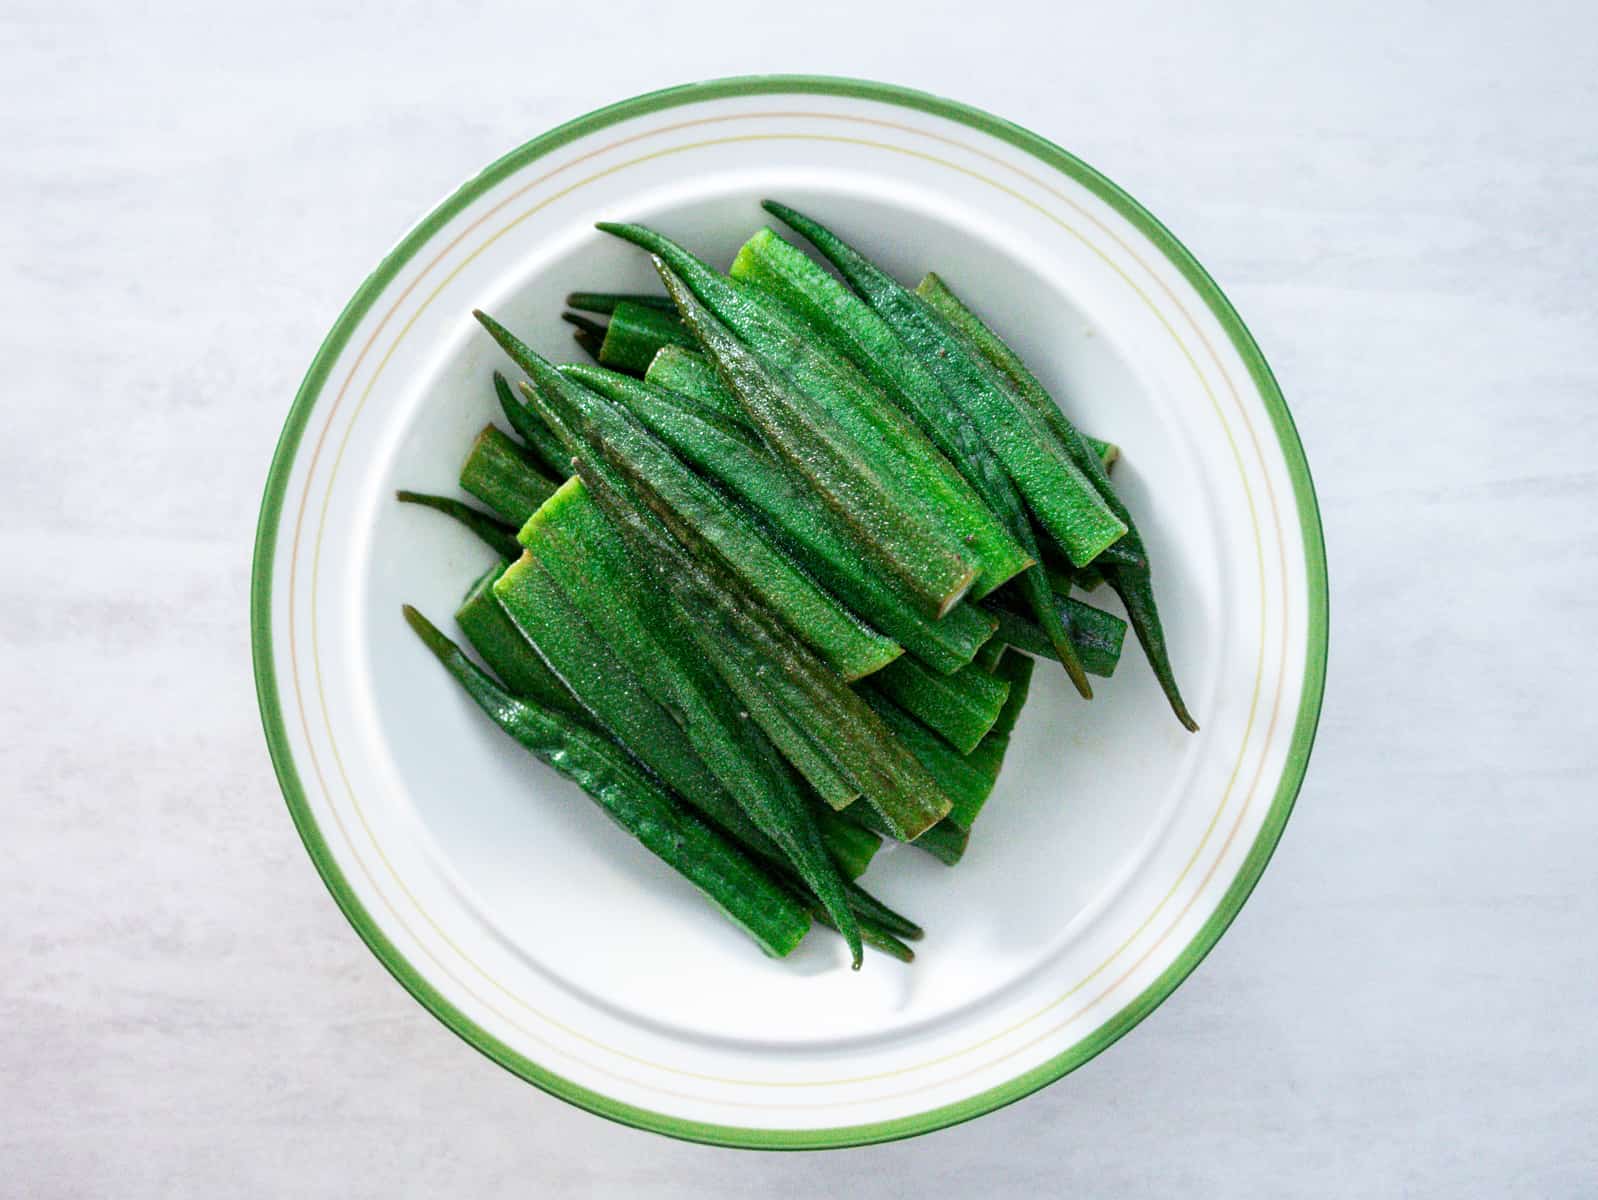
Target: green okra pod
501, 475
728, 879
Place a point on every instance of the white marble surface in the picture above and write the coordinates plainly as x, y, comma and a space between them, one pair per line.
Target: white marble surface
1403, 200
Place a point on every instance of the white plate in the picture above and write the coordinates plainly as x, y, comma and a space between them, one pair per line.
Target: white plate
1116, 848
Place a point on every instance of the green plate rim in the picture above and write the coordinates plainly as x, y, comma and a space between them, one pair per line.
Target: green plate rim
849, 1135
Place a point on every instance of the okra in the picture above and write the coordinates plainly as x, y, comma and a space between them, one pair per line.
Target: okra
965, 779
639, 622
499, 473
1108, 453
1064, 500
636, 332
692, 375
540, 439
1096, 635
843, 641
945, 841
891, 530
495, 534
878, 432
871, 933
532, 596
731, 455
987, 658
961, 707
867, 905
865, 338
1130, 579
499, 643
736, 885
1015, 669
734, 626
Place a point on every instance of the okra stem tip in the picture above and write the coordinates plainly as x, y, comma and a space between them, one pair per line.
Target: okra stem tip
426, 630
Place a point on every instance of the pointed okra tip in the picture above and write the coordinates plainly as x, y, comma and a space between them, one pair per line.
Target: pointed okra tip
427, 631
498, 332
627, 232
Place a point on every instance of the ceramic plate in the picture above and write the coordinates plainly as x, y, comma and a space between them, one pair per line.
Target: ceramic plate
1116, 848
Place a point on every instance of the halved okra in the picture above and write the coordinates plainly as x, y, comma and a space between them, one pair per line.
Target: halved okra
499, 643
842, 639
501, 474
851, 326
1064, 499
856, 409
961, 707
573, 541
890, 526
1131, 580
775, 670
636, 331
730, 880
966, 779
818, 538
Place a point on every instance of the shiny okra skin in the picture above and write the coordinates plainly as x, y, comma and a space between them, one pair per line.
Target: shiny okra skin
1063, 499
636, 332
500, 474
842, 639
490, 631
961, 707
862, 335
540, 439
840, 396
735, 884
662, 647
731, 456
1131, 580
894, 533
629, 615
843, 727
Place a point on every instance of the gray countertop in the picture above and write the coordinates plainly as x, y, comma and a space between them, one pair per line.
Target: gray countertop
1401, 198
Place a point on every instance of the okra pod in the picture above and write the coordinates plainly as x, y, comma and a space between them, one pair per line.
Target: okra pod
1064, 500
499, 643
540, 439
865, 338
638, 620
844, 641
892, 531
817, 537
1095, 634
727, 878
604, 303
636, 332
498, 536
961, 707
841, 725
502, 476
876, 430
1130, 579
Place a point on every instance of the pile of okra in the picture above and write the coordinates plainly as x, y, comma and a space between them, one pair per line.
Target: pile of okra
775, 572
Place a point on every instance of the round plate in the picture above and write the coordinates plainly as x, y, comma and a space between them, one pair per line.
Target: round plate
1116, 848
